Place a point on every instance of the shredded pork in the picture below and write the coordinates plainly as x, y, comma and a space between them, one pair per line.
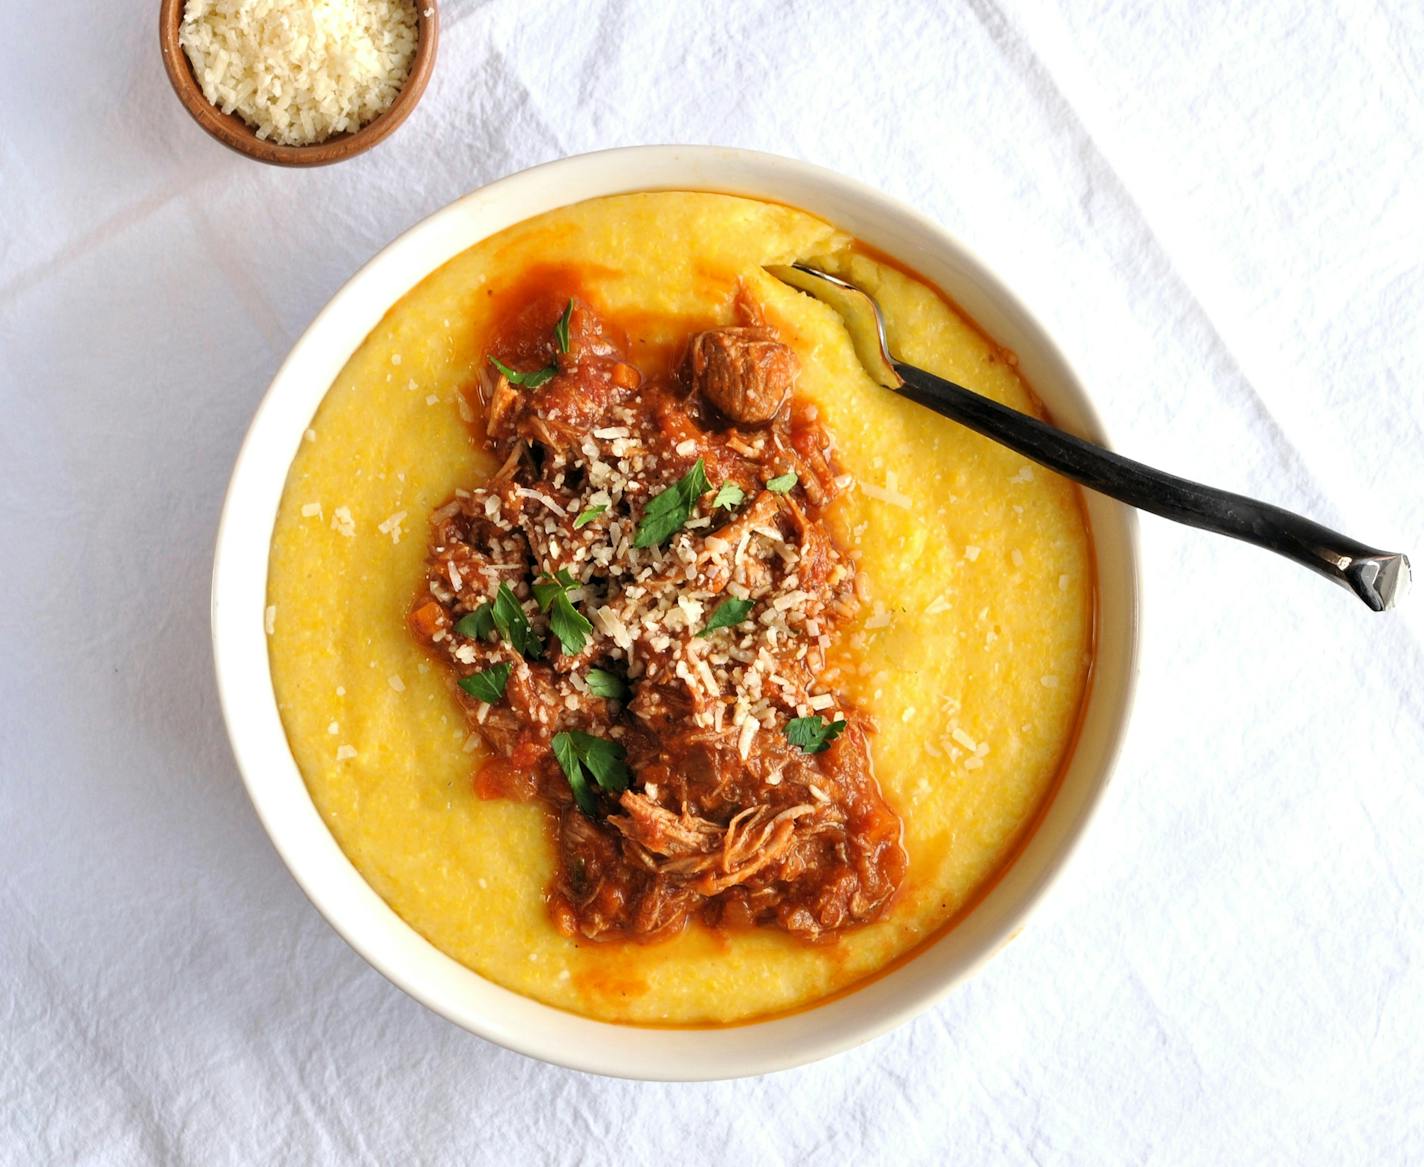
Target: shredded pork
722, 816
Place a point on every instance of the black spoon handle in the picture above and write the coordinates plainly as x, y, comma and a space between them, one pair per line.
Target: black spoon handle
1377, 577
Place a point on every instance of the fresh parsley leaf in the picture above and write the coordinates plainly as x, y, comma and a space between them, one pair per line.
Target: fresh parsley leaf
513, 625
548, 587
602, 683
488, 685
813, 734
730, 611
782, 483
604, 761
669, 509
573, 770
561, 329
569, 624
530, 380
587, 516
728, 496
566, 622
477, 625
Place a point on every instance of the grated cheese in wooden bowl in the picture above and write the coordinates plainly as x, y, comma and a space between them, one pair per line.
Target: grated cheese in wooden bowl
299, 71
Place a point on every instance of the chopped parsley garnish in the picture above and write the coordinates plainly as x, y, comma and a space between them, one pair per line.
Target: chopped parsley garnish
587, 516
561, 329
547, 586
782, 483
569, 625
479, 624
603, 760
488, 685
730, 611
602, 683
573, 770
513, 625
728, 496
530, 380
813, 734
566, 621
669, 509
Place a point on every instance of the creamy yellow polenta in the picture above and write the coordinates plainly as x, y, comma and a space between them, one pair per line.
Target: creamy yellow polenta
972, 658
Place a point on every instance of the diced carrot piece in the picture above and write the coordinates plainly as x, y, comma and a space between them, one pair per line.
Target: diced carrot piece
626, 376
427, 620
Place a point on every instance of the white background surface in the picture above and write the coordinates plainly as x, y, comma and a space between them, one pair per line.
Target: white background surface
1218, 211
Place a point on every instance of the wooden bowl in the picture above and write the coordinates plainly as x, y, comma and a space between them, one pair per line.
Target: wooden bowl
236, 134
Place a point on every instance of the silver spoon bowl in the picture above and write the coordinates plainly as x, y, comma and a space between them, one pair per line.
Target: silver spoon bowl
1379, 578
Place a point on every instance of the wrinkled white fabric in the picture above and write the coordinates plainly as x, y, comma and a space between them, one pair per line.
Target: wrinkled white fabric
1218, 211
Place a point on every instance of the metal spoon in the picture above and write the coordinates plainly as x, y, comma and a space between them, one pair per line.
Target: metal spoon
1379, 578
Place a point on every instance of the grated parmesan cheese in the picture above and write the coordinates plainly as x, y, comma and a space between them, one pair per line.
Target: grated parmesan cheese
879, 618
299, 71
745, 738
886, 494
392, 526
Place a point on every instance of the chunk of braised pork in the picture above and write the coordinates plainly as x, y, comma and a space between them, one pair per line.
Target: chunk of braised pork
746, 373
600, 895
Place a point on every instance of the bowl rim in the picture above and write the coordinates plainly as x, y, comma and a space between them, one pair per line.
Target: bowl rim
278, 791
238, 136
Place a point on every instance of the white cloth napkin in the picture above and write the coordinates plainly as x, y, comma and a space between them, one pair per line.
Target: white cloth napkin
1217, 209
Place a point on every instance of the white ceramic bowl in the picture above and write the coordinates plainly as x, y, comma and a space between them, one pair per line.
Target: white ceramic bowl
276, 786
